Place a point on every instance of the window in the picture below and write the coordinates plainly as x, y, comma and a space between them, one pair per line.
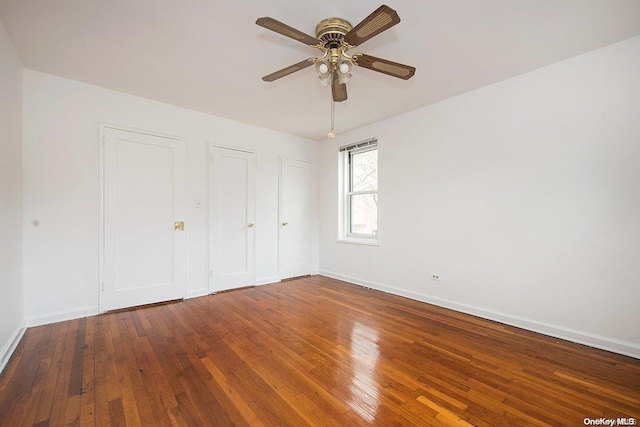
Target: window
359, 195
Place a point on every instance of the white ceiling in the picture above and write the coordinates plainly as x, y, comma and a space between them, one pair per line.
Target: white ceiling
209, 55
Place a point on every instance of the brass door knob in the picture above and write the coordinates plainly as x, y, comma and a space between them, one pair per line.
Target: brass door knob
178, 225
250, 225
284, 224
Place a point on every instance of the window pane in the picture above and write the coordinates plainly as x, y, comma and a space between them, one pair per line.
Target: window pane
364, 214
364, 171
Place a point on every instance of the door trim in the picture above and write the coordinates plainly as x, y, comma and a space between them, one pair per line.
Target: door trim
102, 128
213, 146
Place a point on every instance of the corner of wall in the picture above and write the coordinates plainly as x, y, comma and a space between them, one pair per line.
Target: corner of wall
12, 344
12, 317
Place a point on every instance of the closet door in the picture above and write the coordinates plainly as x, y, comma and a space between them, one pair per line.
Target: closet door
143, 239
232, 222
295, 218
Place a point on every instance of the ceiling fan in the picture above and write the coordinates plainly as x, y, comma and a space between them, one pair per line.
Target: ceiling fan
334, 37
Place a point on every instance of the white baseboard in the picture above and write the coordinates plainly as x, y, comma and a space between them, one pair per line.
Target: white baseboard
12, 344
194, 293
267, 280
62, 316
597, 341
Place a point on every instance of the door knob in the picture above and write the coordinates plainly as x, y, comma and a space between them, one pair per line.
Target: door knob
178, 225
250, 225
284, 224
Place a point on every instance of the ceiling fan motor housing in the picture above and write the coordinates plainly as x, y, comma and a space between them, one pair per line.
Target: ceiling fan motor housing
331, 31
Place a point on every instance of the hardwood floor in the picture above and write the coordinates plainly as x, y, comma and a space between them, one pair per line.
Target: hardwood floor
312, 351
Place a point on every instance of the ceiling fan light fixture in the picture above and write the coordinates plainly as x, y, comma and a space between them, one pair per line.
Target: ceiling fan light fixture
323, 68
344, 78
344, 70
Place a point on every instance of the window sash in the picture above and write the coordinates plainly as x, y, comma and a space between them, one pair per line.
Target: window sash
350, 154
351, 219
347, 195
356, 149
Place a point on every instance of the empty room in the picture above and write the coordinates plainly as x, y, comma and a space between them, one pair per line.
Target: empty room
323, 213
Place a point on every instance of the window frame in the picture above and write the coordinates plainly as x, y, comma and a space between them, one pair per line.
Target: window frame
345, 177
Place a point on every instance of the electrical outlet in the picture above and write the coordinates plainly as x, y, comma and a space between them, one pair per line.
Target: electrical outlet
435, 277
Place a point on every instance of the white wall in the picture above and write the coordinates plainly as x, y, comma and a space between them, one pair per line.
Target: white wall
61, 188
523, 196
11, 284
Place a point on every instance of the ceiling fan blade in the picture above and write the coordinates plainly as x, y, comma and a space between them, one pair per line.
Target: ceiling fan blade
385, 66
288, 70
380, 20
285, 30
338, 90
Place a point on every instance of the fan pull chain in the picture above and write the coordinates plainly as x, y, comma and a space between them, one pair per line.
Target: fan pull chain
331, 132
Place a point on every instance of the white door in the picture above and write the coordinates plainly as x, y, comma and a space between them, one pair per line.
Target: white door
232, 209
143, 251
295, 218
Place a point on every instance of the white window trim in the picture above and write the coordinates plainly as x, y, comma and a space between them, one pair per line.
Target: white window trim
344, 236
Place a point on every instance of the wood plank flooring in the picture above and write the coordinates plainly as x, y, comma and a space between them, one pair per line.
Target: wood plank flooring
312, 351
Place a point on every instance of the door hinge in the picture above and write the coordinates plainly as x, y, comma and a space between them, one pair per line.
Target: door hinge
102, 286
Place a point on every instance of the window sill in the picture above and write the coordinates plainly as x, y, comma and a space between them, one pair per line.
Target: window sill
359, 241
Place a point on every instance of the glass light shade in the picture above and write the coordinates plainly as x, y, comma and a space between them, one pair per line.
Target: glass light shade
324, 72
322, 68
344, 70
325, 80
343, 78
